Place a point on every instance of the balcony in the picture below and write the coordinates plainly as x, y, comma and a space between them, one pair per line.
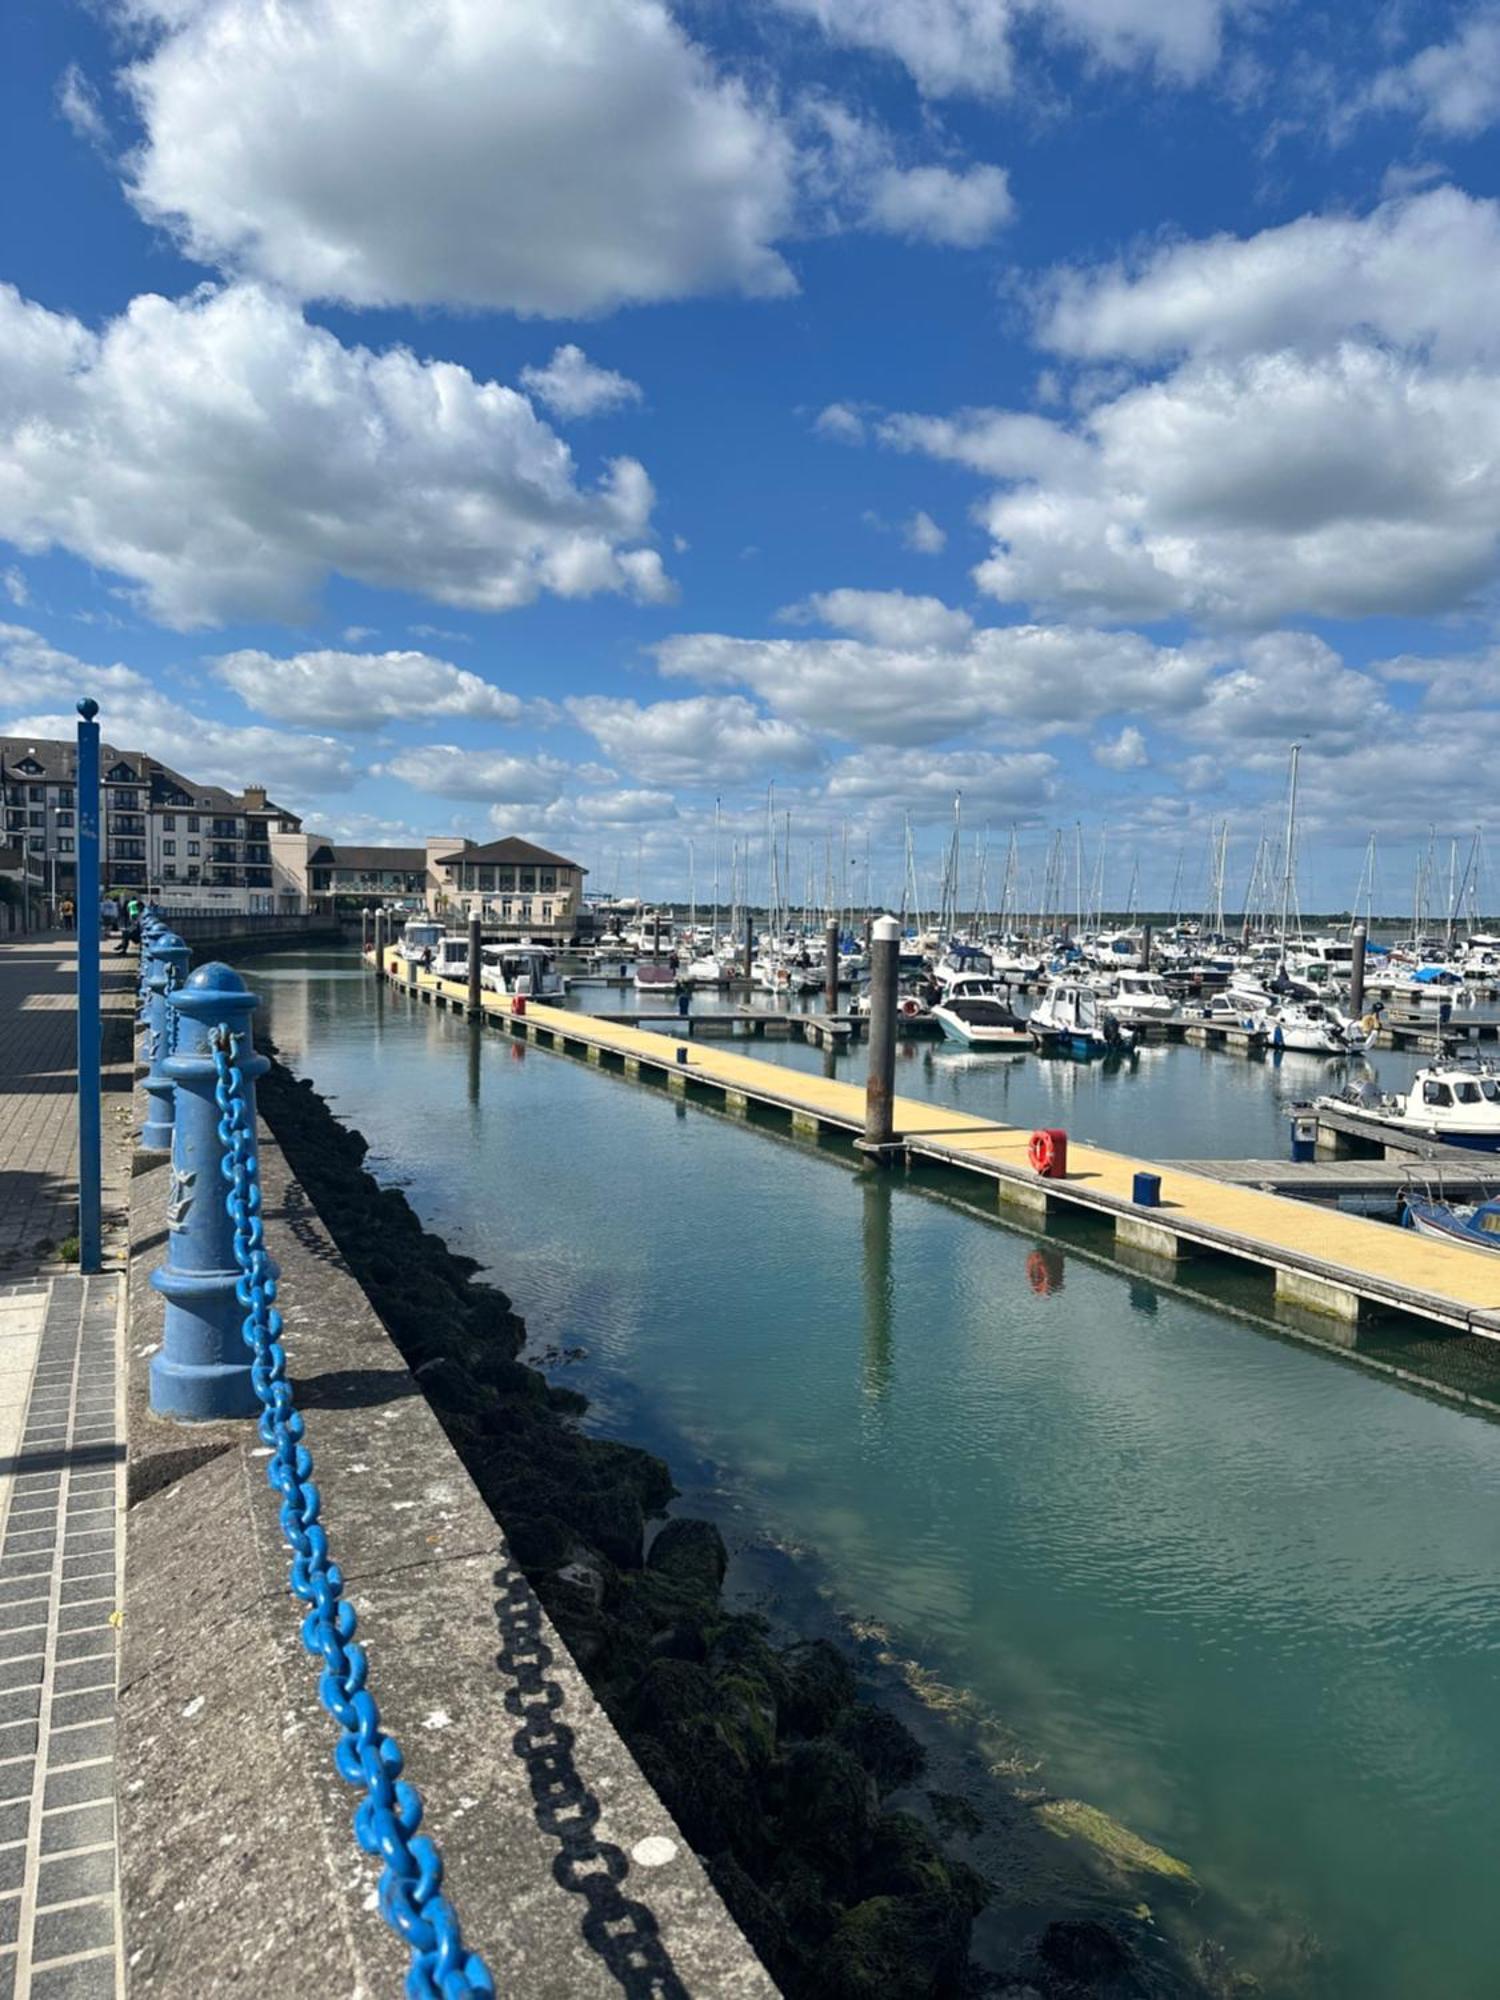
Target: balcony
127, 823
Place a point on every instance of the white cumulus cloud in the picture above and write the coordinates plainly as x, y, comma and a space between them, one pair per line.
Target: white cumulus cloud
1125, 752
922, 534
1302, 423
938, 205
701, 741
544, 156
224, 456
885, 617
967, 47
340, 690
572, 386
1453, 86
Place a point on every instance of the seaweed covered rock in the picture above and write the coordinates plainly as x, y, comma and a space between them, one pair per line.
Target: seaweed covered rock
820, 1687
883, 1744
692, 1551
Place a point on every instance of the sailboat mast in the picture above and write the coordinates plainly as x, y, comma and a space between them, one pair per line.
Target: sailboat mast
1291, 839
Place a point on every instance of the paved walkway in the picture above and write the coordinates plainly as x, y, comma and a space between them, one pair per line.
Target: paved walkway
38, 1106
61, 1488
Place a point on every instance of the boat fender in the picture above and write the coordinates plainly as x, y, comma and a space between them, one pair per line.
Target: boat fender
1048, 1154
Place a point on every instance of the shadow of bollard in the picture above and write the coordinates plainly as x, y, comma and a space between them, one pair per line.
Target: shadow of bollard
623, 1933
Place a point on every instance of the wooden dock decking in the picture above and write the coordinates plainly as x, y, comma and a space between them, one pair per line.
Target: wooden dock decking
1334, 1263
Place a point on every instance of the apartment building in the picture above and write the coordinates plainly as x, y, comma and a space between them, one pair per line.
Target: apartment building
517, 887
185, 846
519, 890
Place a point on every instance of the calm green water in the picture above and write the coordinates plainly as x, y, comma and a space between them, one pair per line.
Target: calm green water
1235, 1592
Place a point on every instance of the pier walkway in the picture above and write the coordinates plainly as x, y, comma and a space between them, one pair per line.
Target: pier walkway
61, 1488
1337, 1264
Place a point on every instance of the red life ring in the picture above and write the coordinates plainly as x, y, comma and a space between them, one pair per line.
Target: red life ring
910, 1006
1048, 1154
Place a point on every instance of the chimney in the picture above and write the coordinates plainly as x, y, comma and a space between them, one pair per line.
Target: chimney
255, 798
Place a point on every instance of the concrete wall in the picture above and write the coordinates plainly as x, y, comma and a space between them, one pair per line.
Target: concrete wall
239, 1868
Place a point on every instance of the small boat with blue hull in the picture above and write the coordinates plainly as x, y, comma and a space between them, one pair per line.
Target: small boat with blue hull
1456, 1102
1474, 1223
1070, 1020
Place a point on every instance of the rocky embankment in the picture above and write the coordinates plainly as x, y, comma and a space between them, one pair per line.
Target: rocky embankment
775, 1769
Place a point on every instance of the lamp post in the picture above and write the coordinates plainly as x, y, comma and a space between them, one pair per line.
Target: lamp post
89, 1049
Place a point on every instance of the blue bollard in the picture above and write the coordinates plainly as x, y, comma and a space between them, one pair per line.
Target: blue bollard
144, 1015
202, 1371
170, 959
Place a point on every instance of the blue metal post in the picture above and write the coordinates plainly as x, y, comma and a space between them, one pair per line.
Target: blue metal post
202, 1370
168, 969
89, 1045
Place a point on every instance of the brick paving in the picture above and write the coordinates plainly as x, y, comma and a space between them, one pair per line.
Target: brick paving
38, 1110
62, 1471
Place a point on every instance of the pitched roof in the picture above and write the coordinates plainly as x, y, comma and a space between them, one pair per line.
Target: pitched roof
59, 762
512, 849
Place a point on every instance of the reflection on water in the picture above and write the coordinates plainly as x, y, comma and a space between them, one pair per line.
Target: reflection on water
1237, 1593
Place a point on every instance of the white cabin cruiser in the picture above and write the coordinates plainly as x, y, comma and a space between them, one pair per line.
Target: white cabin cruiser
1135, 996
421, 935
1454, 1102
973, 1012
1070, 1019
1311, 1027
963, 961
523, 968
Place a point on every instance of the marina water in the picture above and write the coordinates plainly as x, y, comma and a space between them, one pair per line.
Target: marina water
1228, 1587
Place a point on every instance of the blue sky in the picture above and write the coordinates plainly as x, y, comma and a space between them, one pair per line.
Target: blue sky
555, 418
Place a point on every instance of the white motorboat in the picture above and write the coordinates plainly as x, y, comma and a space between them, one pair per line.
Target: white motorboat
771, 973
1454, 1102
419, 937
1135, 996
1070, 1019
706, 970
963, 961
1310, 1027
973, 1012
523, 968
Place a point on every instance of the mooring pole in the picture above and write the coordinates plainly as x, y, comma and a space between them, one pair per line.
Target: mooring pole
831, 966
749, 944
1359, 937
880, 1080
1146, 948
86, 900
364, 928
476, 947
380, 942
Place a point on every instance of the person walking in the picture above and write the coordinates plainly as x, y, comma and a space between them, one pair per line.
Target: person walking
69, 911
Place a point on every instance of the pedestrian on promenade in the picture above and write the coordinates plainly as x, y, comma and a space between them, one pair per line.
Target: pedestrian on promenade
68, 913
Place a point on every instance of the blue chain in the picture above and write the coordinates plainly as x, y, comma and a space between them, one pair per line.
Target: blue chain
387, 1818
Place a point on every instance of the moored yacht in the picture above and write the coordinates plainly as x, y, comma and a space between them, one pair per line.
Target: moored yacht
523, 968
972, 1011
1070, 1019
1135, 996
1455, 1102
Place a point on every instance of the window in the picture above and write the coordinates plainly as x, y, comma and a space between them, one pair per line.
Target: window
192, 844
193, 826
1490, 1088
169, 869
548, 881
37, 794
1436, 1093
65, 844
546, 913
507, 879
64, 819
37, 842
169, 847
1466, 1092
527, 882
36, 819
65, 795
169, 822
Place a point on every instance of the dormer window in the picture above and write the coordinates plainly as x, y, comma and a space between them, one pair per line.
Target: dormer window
29, 765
